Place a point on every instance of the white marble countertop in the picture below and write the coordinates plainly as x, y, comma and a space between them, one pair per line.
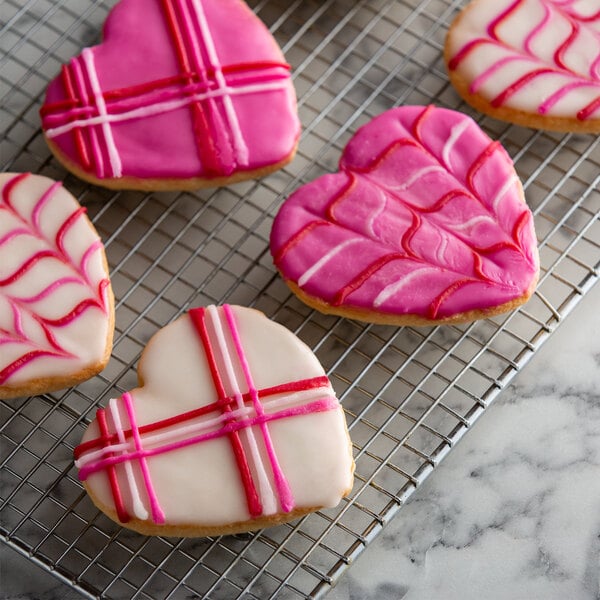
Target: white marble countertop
512, 513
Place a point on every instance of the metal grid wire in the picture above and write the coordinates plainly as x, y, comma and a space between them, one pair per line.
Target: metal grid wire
409, 394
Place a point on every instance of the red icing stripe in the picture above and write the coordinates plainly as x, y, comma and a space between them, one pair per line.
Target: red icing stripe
27, 265
21, 362
479, 162
501, 17
206, 146
501, 98
197, 316
418, 124
364, 276
297, 237
410, 233
8, 188
435, 305
80, 143
111, 470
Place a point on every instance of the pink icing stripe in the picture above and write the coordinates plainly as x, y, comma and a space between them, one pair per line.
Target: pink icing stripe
560, 93
481, 79
268, 501
47, 291
157, 514
286, 497
537, 29
322, 405
13, 233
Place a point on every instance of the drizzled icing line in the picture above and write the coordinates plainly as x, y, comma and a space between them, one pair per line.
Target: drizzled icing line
54, 252
430, 241
565, 81
238, 414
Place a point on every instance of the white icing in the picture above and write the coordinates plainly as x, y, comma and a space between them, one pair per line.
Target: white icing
200, 484
393, 288
314, 269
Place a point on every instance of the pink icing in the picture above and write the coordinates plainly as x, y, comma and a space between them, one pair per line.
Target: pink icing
425, 217
201, 82
553, 49
46, 247
235, 412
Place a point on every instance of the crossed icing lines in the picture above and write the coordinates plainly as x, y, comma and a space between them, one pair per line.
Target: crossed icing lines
203, 85
239, 414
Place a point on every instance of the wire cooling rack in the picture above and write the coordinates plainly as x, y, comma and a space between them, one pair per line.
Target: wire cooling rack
409, 394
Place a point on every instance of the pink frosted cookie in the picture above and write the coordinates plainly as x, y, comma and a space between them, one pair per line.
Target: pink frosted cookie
425, 223
181, 94
235, 427
56, 303
531, 62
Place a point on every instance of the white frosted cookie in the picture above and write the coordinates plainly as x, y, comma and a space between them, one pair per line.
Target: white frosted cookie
234, 427
531, 62
56, 303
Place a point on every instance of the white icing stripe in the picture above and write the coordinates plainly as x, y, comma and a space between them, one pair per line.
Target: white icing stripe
154, 440
241, 150
325, 259
503, 190
267, 495
473, 222
163, 107
113, 154
441, 250
139, 510
393, 288
418, 175
455, 133
376, 213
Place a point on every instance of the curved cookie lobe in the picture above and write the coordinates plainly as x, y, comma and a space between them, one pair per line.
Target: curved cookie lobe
425, 222
535, 63
56, 302
180, 94
235, 427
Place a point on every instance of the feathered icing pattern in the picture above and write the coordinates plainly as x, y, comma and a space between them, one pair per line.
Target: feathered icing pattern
553, 63
426, 217
36, 265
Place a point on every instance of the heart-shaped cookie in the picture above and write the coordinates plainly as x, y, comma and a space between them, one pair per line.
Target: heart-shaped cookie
531, 62
235, 427
56, 303
181, 94
424, 223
